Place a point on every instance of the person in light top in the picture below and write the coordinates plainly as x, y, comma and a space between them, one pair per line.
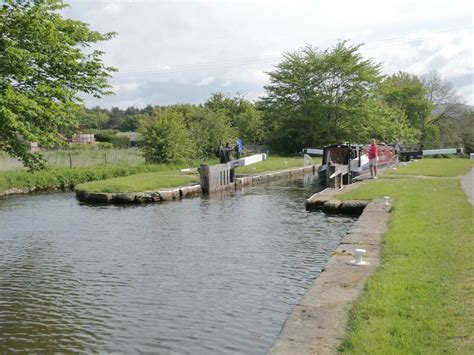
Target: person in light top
373, 154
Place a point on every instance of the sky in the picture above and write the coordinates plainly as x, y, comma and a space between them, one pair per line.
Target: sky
182, 51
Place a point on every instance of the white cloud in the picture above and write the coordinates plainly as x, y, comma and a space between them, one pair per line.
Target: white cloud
206, 81
186, 43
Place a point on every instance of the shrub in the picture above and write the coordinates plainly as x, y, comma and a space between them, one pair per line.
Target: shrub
166, 138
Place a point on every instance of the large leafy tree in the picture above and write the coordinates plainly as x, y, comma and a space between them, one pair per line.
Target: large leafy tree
210, 129
319, 97
242, 113
45, 63
406, 92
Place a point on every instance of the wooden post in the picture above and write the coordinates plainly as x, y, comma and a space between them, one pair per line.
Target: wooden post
70, 160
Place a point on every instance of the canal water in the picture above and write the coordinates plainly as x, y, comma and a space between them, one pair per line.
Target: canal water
213, 275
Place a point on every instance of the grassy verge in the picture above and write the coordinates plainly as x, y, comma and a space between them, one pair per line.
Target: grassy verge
434, 167
420, 299
139, 183
65, 177
272, 163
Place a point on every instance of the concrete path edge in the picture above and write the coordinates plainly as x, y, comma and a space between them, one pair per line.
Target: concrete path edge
318, 323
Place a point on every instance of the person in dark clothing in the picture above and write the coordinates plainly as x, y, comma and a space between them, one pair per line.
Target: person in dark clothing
229, 156
222, 155
229, 152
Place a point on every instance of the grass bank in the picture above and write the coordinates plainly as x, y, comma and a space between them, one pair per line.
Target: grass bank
68, 178
139, 183
420, 298
434, 167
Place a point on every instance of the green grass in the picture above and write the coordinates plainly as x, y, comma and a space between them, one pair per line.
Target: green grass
419, 301
435, 167
272, 163
65, 177
80, 158
139, 182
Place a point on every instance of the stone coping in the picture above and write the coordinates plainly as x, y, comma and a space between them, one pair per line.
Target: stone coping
140, 197
325, 201
318, 323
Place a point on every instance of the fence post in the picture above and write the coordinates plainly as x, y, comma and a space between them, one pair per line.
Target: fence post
105, 157
70, 160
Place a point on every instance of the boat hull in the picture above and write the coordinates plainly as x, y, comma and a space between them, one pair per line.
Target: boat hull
355, 157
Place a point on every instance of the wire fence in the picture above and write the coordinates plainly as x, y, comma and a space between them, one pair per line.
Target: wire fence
80, 158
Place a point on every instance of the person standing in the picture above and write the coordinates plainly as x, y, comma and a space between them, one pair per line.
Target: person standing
239, 147
373, 154
221, 155
228, 152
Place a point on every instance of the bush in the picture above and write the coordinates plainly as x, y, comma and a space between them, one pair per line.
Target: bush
104, 145
120, 142
166, 138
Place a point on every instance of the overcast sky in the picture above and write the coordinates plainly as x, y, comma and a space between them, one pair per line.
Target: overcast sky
172, 51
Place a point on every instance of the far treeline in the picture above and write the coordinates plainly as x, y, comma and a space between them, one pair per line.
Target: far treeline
315, 97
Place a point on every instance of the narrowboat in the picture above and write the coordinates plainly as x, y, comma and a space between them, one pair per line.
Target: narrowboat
355, 157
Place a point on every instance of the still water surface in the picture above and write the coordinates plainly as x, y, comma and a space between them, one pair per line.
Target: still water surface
199, 276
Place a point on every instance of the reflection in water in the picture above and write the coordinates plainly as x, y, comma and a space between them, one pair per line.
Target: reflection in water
216, 274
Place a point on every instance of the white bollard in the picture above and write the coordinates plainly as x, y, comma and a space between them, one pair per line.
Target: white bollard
386, 200
358, 253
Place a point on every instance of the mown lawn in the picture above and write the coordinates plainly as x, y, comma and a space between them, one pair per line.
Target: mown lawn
434, 167
420, 300
139, 182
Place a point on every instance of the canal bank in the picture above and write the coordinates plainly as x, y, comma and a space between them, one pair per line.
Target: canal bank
183, 192
318, 323
404, 308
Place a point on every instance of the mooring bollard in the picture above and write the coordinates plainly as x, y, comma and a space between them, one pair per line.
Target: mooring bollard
358, 253
386, 200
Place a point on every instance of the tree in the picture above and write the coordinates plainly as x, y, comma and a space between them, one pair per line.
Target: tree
95, 118
242, 115
406, 92
44, 66
210, 130
318, 97
166, 138
443, 98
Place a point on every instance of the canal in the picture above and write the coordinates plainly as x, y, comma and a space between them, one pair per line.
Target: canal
200, 276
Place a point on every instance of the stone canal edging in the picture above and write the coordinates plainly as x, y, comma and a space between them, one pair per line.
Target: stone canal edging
28, 190
140, 197
274, 176
324, 201
187, 191
318, 323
